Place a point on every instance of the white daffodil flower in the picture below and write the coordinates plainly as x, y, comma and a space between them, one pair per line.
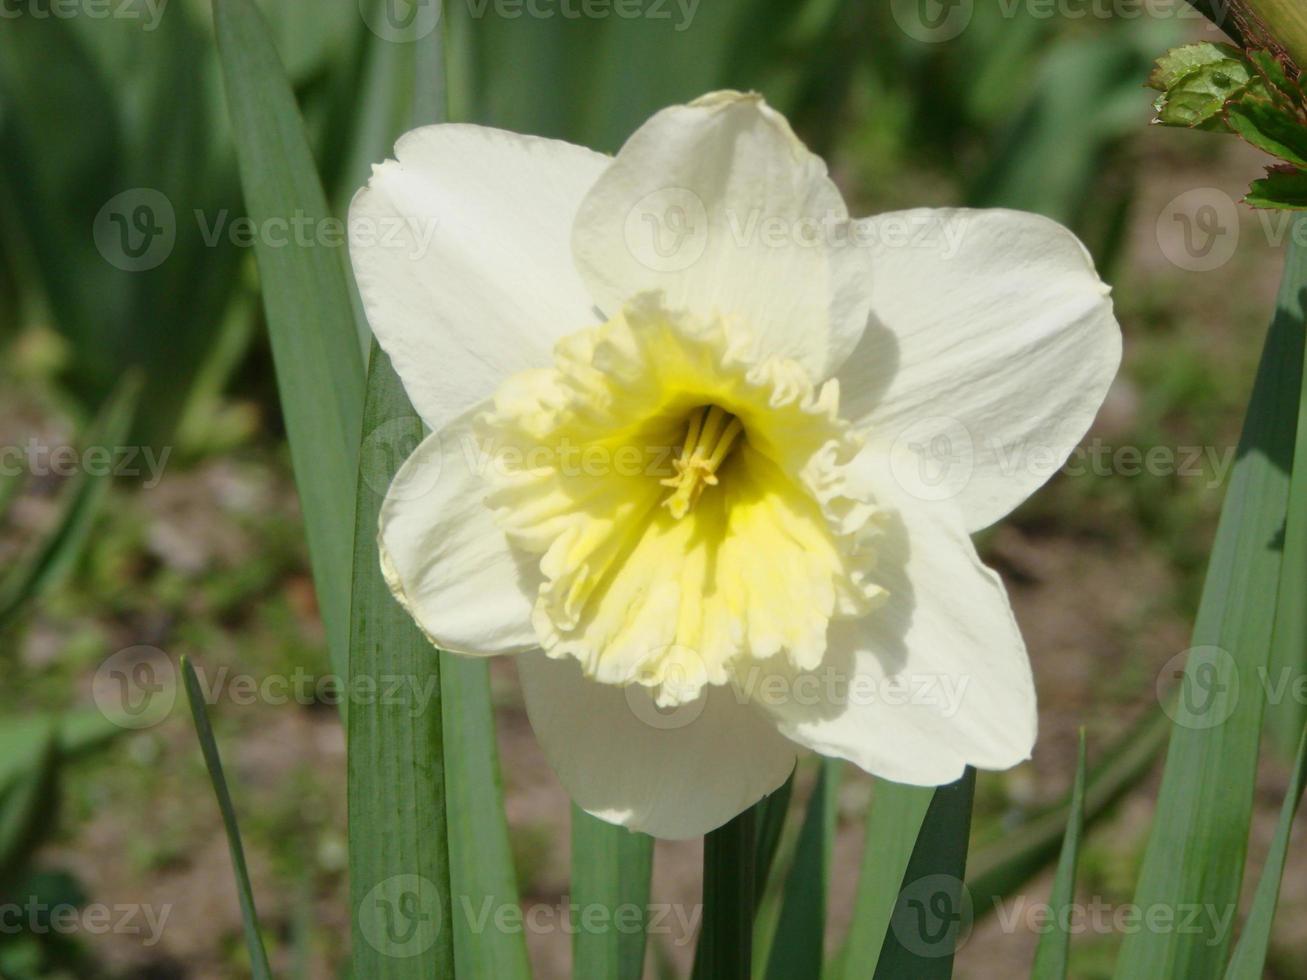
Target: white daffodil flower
706, 453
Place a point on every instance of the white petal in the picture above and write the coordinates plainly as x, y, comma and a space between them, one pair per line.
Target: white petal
673, 773
935, 678
462, 256
444, 557
994, 349
719, 205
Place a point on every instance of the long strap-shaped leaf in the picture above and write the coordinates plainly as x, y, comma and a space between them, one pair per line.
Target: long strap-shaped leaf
1250, 954
797, 946
1055, 945
897, 812
480, 859
306, 297
611, 870
1287, 715
398, 849
398, 840
932, 911
1195, 855
212, 761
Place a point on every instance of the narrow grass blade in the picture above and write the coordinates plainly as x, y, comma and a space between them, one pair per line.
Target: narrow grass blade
27, 797
483, 881
1195, 854
1001, 867
1249, 957
249, 915
398, 848
932, 910
725, 949
611, 871
897, 812
1055, 945
81, 499
797, 947
306, 297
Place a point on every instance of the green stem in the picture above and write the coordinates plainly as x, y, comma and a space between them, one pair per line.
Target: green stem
1277, 23
726, 945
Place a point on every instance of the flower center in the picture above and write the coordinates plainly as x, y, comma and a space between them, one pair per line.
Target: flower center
710, 435
657, 581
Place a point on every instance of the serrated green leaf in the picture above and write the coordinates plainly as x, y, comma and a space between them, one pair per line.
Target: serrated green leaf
1278, 84
1054, 948
1180, 62
1284, 190
1198, 98
798, 943
398, 846
893, 824
1195, 854
611, 870
1271, 129
932, 910
306, 296
1249, 959
213, 762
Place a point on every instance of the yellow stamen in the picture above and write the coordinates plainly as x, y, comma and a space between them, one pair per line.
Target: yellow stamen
709, 436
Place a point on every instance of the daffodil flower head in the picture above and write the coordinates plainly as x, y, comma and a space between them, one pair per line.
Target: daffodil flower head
706, 452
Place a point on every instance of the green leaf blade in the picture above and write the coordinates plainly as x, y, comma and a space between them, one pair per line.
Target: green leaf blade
1283, 190
1270, 129
482, 877
797, 948
399, 852
306, 296
933, 908
1195, 854
1053, 952
213, 762
611, 871
897, 812
1249, 959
